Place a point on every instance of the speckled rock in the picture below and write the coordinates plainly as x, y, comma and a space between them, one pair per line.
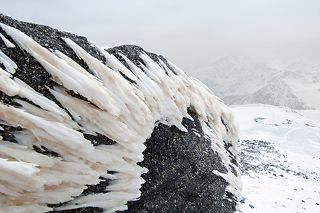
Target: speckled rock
180, 164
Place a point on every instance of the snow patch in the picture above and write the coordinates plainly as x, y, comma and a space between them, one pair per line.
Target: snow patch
280, 160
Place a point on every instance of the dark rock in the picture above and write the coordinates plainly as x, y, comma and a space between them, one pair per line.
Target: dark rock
180, 177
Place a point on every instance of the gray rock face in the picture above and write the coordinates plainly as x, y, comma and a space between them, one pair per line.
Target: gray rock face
180, 164
180, 177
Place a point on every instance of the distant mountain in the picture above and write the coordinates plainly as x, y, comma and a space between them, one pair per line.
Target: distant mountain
244, 80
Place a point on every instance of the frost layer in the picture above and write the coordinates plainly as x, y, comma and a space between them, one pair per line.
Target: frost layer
120, 102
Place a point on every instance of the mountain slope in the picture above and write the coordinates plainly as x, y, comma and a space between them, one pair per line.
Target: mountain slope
244, 80
280, 160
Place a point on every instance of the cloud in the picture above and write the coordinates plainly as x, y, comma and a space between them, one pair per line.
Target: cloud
186, 31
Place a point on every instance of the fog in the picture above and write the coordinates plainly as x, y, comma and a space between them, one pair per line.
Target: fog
190, 33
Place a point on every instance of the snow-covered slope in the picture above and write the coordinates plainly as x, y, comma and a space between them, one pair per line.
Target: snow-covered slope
244, 80
280, 160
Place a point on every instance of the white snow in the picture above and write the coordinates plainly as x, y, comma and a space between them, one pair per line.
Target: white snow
284, 172
311, 114
117, 107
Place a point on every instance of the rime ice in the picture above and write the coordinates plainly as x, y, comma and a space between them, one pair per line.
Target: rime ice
121, 110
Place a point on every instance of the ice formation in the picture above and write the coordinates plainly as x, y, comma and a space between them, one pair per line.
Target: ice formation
122, 110
7, 42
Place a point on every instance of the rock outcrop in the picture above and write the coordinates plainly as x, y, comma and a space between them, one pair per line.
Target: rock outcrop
83, 129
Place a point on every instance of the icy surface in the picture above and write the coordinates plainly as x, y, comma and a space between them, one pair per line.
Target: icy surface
112, 106
7, 42
7, 62
280, 160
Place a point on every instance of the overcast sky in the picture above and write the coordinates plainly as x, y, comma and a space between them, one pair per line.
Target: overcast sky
190, 33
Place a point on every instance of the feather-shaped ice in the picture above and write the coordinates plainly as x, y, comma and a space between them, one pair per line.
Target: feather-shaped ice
7, 42
8, 63
125, 111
